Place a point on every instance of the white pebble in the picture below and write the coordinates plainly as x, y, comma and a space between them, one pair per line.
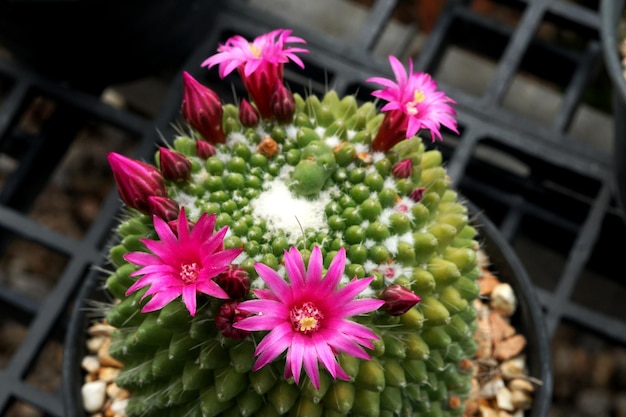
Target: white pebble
94, 395
503, 299
90, 363
118, 406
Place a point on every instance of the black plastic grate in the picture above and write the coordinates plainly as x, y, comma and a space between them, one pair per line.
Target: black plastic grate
549, 193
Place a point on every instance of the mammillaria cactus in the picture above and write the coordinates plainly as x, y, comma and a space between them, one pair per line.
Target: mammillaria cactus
300, 256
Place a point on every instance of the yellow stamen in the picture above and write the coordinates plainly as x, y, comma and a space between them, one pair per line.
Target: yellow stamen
307, 323
418, 96
255, 49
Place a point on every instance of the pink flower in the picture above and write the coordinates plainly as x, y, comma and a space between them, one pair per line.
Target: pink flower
174, 165
308, 316
202, 109
259, 63
398, 299
413, 103
181, 265
163, 207
403, 168
136, 181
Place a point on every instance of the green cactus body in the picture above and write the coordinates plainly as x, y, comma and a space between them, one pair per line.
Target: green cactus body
324, 187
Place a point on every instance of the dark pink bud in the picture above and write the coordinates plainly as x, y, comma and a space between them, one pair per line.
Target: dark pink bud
163, 207
202, 108
402, 169
248, 115
235, 281
227, 316
391, 131
136, 181
283, 103
204, 149
417, 194
398, 300
174, 166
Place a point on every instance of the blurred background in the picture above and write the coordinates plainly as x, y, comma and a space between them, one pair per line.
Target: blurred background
81, 78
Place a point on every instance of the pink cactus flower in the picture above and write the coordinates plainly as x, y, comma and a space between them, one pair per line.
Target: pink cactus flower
174, 165
163, 207
202, 109
136, 181
403, 168
182, 265
308, 316
259, 63
413, 104
398, 299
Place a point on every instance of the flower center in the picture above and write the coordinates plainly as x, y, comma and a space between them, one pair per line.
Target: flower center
411, 106
255, 49
306, 318
189, 272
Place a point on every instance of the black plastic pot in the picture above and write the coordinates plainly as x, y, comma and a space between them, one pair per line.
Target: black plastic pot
87, 42
528, 320
611, 11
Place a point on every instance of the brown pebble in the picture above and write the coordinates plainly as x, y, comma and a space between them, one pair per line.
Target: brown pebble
510, 347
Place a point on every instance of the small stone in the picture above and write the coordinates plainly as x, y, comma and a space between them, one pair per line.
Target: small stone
108, 374
491, 387
500, 327
503, 399
100, 329
93, 396
487, 282
90, 363
118, 406
520, 384
503, 299
510, 347
521, 400
105, 358
514, 367
94, 343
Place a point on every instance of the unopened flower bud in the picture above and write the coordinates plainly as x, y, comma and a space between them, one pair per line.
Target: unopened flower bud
398, 300
283, 103
248, 114
204, 149
403, 168
227, 315
202, 108
136, 181
174, 166
235, 281
417, 194
163, 207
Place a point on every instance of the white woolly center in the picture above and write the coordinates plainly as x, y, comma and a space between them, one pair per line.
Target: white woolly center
282, 210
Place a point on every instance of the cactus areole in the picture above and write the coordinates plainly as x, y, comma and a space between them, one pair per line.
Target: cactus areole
311, 261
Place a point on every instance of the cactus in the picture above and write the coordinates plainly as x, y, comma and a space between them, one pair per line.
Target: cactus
314, 191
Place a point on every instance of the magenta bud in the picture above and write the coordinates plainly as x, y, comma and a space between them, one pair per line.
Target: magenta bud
283, 103
202, 109
402, 169
417, 194
227, 316
248, 114
174, 165
235, 281
163, 207
398, 299
204, 149
136, 181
